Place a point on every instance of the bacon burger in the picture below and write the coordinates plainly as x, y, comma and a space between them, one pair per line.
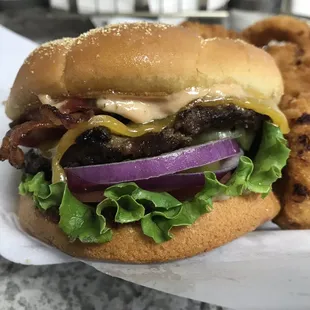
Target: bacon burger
145, 142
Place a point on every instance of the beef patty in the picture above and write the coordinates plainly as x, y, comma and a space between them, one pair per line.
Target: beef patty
98, 145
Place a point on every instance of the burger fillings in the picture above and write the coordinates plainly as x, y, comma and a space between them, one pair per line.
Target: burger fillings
138, 129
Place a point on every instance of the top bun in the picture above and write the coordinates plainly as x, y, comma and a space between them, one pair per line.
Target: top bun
141, 59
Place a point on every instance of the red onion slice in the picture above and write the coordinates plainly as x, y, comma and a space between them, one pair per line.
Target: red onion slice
182, 180
152, 167
181, 185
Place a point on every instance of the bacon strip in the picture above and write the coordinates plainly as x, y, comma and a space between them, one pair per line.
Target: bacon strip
9, 148
77, 105
49, 114
40, 124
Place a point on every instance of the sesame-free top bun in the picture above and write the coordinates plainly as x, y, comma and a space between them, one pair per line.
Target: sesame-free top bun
229, 219
141, 59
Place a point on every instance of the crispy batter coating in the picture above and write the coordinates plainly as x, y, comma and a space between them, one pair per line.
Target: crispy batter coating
279, 28
287, 39
208, 31
292, 55
294, 63
295, 213
294, 107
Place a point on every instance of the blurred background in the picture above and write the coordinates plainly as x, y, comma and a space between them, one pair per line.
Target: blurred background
43, 20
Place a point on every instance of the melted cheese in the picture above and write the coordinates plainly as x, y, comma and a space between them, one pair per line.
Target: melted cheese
142, 110
145, 109
154, 114
257, 105
110, 122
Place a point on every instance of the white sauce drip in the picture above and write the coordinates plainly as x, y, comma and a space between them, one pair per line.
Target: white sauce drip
146, 109
46, 99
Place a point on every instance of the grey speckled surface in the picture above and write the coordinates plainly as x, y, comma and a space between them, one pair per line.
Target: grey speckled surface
78, 286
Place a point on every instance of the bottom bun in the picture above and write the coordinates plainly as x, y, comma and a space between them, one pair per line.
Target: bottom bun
229, 220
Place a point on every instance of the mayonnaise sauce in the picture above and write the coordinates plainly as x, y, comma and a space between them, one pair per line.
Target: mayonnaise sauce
146, 109
141, 110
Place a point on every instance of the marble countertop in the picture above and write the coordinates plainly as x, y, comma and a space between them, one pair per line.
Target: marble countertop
78, 286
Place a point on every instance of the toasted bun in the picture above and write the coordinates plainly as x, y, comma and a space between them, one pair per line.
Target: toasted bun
141, 59
229, 219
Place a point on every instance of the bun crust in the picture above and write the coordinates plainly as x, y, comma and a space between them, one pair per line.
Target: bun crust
141, 59
229, 220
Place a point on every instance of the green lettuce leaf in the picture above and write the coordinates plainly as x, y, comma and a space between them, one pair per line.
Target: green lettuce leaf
157, 213
239, 180
78, 221
44, 194
125, 209
158, 223
269, 160
163, 200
